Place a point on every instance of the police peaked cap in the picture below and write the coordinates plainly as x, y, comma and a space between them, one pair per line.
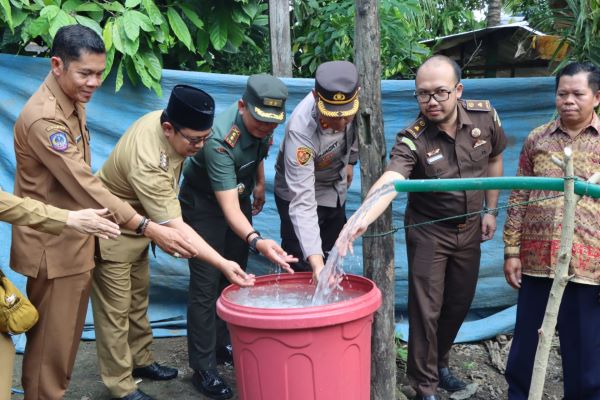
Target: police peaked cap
191, 108
336, 84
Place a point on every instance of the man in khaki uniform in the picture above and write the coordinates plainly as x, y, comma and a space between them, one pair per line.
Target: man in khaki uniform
144, 170
44, 218
52, 146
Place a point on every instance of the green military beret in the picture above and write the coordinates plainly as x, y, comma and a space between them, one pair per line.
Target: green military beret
265, 98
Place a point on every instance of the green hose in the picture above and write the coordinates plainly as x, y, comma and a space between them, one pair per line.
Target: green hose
582, 188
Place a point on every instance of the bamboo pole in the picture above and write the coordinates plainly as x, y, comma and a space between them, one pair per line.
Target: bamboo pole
561, 279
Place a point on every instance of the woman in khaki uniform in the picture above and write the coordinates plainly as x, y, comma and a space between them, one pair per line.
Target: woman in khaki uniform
39, 216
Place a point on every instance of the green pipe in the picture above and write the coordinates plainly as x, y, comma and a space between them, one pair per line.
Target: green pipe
582, 188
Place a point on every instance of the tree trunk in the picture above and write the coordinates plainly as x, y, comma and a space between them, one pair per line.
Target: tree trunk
494, 12
281, 45
378, 252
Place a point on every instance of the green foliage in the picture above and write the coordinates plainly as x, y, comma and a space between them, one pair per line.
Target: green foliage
141, 36
537, 13
324, 30
401, 351
578, 22
445, 17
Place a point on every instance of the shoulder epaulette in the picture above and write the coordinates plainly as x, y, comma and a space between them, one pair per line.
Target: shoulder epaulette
477, 105
417, 127
232, 136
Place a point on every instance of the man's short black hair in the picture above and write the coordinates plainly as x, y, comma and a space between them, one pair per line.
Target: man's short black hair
71, 40
447, 60
574, 68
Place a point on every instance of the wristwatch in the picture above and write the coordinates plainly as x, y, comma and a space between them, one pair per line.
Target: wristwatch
491, 211
253, 243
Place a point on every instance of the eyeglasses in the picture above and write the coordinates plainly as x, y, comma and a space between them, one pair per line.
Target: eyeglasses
194, 140
439, 95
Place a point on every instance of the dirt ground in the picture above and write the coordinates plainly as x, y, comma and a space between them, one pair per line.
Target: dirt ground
480, 363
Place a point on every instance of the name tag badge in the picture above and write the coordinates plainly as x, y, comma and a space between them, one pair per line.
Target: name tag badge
479, 142
434, 158
434, 155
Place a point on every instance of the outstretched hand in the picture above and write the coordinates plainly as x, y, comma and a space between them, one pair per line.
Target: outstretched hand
236, 275
276, 254
93, 222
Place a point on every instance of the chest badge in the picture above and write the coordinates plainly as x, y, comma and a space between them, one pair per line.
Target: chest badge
164, 161
434, 155
476, 132
479, 142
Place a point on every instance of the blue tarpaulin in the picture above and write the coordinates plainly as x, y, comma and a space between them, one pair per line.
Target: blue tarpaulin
522, 103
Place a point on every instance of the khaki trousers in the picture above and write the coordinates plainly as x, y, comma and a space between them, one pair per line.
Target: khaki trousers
7, 359
53, 342
123, 333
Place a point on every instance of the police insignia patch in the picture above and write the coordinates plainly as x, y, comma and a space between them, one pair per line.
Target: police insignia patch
303, 155
59, 141
232, 136
164, 161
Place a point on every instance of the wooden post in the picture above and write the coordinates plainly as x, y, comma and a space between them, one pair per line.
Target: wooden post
561, 278
281, 45
378, 252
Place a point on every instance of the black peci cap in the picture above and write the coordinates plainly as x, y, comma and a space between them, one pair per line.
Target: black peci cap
191, 108
336, 84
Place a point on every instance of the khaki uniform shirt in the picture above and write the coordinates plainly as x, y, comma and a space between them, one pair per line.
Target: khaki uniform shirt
52, 146
311, 170
422, 151
37, 215
229, 159
143, 170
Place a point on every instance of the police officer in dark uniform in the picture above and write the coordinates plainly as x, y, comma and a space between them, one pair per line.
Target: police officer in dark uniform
216, 201
452, 138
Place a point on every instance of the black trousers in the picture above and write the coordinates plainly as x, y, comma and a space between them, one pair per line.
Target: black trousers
443, 265
578, 330
331, 222
205, 330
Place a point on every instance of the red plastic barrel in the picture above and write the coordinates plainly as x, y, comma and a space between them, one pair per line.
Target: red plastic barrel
310, 353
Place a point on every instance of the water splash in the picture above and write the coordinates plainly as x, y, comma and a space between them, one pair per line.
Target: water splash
333, 272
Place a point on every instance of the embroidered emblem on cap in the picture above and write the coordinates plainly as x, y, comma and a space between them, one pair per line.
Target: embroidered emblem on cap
339, 97
303, 155
163, 163
264, 114
240, 188
476, 132
233, 136
272, 102
59, 141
